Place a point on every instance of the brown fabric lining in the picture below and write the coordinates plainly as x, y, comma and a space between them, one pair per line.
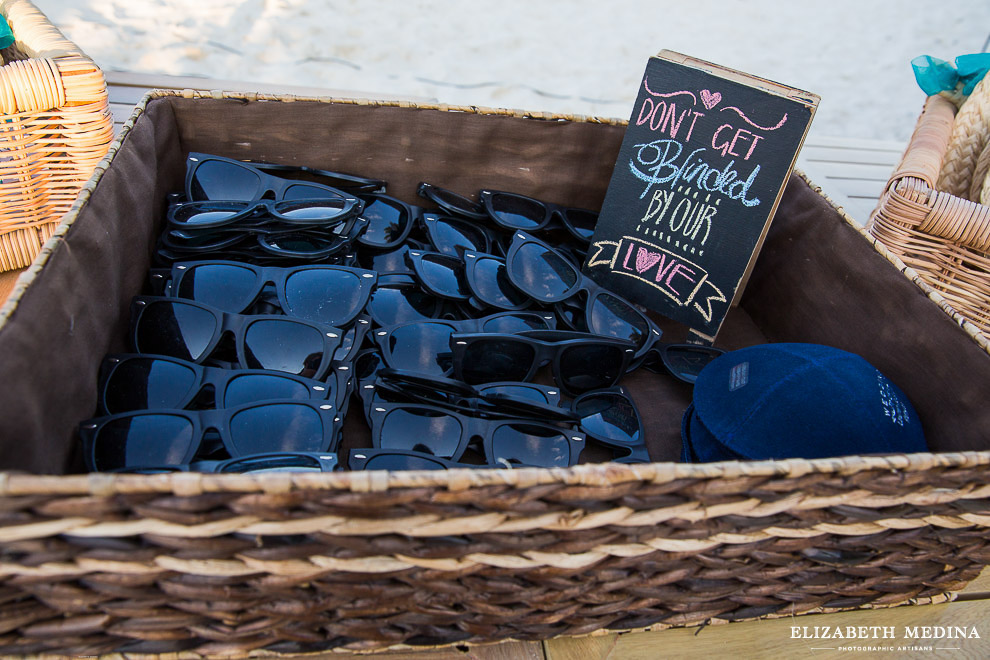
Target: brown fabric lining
817, 280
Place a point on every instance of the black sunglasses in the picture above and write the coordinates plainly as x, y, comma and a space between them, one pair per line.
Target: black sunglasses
545, 275
448, 433
390, 221
579, 361
210, 177
211, 215
488, 280
294, 461
450, 235
191, 331
512, 211
452, 202
159, 437
683, 361
440, 274
334, 295
396, 300
136, 381
399, 459
424, 346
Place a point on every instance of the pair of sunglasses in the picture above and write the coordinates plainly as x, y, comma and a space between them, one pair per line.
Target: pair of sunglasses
546, 276
448, 433
210, 177
424, 346
512, 211
333, 295
450, 235
135, 381
297, 461
227, 215
390, 221
192, 331
579, 361
473, 277
161, 437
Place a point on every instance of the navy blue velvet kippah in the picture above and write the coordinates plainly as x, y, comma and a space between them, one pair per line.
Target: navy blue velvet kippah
777, 401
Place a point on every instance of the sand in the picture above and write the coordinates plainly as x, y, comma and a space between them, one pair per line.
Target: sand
581, 57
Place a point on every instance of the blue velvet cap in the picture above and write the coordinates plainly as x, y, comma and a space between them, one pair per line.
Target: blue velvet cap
777, 401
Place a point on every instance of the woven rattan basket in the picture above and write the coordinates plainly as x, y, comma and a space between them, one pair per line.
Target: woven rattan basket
195, 565
55, 126
944, 237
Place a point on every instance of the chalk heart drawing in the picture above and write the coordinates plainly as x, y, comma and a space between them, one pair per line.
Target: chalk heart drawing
710, 99
646, 260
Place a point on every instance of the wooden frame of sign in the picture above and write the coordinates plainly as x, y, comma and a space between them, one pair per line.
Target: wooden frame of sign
699, 175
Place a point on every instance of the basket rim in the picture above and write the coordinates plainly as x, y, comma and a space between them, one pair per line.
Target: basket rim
594, 475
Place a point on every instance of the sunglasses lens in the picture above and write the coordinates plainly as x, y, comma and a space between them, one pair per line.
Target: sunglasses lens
517, 212
395, 305
401, 462
175, 329
204, 216
227, 181
416, 347
496, 359
582, 222
541, 273
224, 286
283, 346
529, 444
248, 388
386, 222
447, 236
142, 383
324, 295
444, 276
686, 362
614, 317
277, 463
297, 244
277, 427
610, 418
584, 368
421, 429
142, 440
492, 285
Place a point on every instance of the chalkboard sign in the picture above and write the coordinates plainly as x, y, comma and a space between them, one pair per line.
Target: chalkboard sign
700, 171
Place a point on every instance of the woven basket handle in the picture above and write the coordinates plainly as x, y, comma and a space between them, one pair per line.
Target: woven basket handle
35, 35
970, 135
923, 157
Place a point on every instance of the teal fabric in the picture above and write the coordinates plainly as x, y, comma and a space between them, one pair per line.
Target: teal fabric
935, 75
6, 36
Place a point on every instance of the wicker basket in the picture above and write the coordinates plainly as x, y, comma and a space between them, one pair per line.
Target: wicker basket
944, 237
225, 564
55, 126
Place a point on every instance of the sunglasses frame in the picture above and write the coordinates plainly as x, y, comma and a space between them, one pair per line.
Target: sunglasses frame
464, 207
265, 211
471, 260
238, 325
663, 350
170, 285
269, 183
548, 347
215, 377
384, 334
409, 214
475, 426
551, 211
215, 419
430, 222
592, 289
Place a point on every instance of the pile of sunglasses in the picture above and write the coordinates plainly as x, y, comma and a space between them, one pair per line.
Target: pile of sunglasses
465, 330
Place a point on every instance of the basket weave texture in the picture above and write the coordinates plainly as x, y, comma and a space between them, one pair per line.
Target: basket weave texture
55, 127
931, 215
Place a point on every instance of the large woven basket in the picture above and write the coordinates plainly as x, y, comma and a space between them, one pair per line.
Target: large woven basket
55, 126
196, 565
943, 236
